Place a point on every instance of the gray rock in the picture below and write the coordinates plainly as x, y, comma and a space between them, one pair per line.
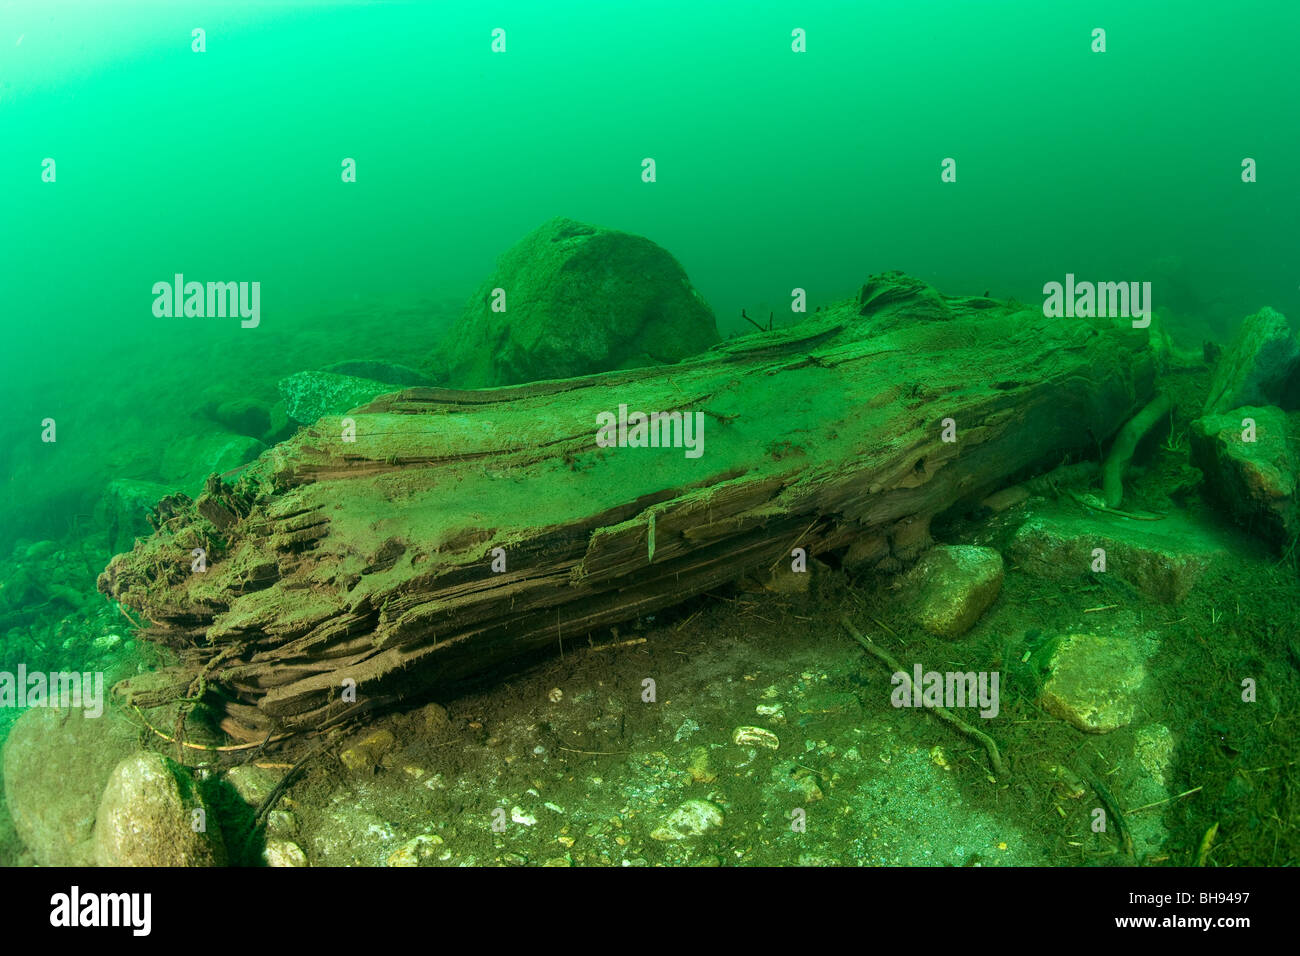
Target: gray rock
1093, 682
1259, 481
309, 396
147, 817
579, 299
951, 586
1261, 367
56, 763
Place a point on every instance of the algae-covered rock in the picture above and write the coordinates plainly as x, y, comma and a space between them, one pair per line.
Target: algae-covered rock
1162, 559
151, 814
56, 762
1257, 480
951, 586
1093, 681
1261, 367
310, 396
578, 299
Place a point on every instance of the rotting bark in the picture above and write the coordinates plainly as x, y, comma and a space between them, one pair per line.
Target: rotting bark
371, 560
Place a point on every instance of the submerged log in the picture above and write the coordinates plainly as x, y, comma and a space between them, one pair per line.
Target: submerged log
434, 534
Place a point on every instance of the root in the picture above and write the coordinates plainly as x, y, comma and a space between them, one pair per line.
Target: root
1121, 452
995, 758
230, 748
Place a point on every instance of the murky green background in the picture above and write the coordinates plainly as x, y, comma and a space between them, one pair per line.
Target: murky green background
775, 170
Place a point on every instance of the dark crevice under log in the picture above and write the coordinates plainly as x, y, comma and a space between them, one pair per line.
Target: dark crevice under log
371, 560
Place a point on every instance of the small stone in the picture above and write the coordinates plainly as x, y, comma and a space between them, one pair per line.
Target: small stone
281, 822
555, 696
808, 790
364, 756
415, 850
951, 586
686, 730
691, 819
283, 853
518, 815
106, 642
699, 766
755, 737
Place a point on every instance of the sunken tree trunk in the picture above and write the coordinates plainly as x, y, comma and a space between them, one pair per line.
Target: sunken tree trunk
459, 529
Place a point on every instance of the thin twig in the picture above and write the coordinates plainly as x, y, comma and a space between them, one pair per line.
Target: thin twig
1161, 803
229, 748
995, 758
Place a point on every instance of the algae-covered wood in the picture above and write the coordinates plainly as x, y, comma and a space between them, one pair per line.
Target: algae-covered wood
434, 534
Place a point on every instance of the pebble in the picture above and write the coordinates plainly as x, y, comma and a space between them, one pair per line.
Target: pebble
364, 755
518, 815
755, 737
691, 819
283, 853
414, 850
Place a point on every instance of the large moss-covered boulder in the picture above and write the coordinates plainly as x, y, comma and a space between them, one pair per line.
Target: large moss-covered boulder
56, 763
576, 299
151, 814
1249, 464
312, 395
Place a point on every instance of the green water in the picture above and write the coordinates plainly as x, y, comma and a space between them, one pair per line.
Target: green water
776, 170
